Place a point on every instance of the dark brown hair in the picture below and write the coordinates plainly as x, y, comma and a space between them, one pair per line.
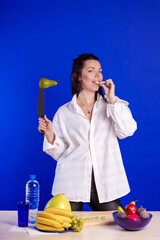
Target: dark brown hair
78, 64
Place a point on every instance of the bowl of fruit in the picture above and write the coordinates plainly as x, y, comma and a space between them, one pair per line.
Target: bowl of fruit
131, 217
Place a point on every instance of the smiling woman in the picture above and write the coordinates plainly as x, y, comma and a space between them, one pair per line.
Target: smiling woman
86, 171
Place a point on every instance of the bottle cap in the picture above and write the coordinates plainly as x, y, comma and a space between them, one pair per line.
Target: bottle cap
32, 177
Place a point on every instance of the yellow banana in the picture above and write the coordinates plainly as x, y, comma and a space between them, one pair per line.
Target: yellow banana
60, 211
66, 225
49, 215
48, 222
48, 228
65, 219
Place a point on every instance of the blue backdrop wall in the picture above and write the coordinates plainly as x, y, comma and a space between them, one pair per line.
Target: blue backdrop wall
40, 39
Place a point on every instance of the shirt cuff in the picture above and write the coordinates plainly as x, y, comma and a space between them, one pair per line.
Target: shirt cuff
116, 106
47, 145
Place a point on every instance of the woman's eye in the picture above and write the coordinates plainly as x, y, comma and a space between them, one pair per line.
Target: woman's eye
94, 71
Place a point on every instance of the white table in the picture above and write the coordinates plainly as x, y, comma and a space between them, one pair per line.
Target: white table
107, 232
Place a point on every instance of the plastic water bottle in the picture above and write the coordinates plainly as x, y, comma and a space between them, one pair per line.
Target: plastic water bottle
32, 196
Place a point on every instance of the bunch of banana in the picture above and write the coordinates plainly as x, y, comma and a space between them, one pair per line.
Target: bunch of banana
54, 219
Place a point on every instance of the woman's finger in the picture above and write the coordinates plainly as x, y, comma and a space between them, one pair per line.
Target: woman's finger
42, 124
46, 119
107, 82
41, 129
104, 86
111, 82
41, 121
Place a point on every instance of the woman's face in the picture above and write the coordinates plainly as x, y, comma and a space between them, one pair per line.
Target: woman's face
91, 75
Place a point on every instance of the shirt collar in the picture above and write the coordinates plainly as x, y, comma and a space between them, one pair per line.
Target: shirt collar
73, 102
74, 105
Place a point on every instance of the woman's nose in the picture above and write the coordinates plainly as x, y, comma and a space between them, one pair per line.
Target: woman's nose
97, 73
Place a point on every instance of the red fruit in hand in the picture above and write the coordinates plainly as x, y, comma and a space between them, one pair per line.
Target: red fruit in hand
133, 216
130, 209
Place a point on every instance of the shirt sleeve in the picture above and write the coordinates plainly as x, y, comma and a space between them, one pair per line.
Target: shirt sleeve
56, 149
124, 124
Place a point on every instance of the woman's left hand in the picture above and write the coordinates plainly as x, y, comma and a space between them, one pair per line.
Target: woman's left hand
109, 89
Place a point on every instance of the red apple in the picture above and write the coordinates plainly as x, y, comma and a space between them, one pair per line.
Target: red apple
130, 209
133, 216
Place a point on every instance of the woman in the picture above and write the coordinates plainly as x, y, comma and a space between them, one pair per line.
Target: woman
83, 140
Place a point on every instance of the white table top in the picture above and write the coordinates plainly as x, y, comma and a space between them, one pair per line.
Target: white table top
106, 232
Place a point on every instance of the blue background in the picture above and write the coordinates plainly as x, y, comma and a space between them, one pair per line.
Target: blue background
39, 39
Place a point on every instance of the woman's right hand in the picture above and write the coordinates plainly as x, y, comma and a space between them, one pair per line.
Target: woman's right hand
46, 125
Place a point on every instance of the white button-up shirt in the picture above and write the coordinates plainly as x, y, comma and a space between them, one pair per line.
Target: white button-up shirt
81, 145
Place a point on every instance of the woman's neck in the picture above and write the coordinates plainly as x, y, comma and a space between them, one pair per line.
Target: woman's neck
86, 98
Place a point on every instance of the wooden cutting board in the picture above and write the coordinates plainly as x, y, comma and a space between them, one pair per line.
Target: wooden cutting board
94, 221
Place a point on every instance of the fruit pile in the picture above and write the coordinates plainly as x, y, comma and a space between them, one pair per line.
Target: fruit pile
58, 216
132, 212
54, 219
77, 224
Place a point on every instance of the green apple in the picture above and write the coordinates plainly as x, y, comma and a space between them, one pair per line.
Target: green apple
59, 201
